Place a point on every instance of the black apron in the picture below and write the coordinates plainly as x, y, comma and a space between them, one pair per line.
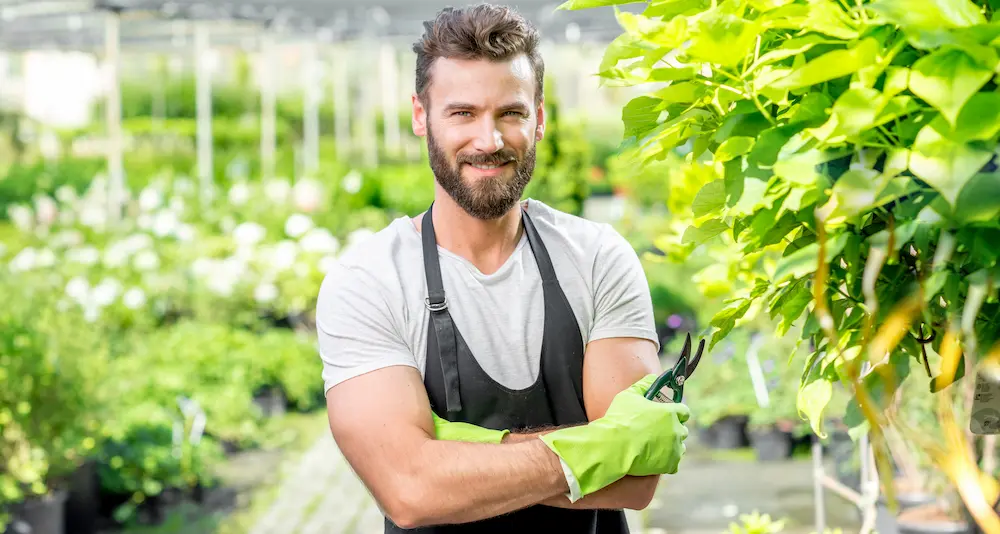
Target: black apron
460, 390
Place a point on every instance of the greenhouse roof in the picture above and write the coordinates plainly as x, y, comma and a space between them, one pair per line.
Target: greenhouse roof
80, 24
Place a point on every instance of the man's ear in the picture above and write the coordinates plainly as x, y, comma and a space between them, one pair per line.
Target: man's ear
540, 127
419, 120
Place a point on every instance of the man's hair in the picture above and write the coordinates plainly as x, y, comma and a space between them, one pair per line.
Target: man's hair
483, 31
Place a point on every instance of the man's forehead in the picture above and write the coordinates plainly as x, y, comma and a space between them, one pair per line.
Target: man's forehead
513, 77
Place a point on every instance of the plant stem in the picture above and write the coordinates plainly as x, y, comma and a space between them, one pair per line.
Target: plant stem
763, 111
711, 83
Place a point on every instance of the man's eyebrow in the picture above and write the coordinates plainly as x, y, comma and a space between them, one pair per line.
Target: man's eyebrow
464, 106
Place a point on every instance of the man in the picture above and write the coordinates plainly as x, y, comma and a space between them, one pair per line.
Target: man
485, 362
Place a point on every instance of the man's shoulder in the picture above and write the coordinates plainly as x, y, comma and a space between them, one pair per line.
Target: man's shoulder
370, 258
585, 237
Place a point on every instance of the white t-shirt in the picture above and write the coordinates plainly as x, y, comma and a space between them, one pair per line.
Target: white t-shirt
371, 314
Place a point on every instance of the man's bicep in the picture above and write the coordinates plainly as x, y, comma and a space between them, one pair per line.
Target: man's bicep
379, 419
611, 365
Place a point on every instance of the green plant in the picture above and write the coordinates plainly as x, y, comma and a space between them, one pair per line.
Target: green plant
756, 523
846, 151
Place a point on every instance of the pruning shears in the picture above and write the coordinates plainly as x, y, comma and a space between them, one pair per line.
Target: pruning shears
675, 377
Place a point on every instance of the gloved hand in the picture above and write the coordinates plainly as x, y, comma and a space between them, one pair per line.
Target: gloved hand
446, 430
635, 437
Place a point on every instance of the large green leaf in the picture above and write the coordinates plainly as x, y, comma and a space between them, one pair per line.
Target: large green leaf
979, 200
944, 163
831, 65
626, 46
710, 198
664, 34
641, 115
733, 148
947, 78
855, 192
804, 260
979, 119
854, 112
722, 39
668, 9
813, 398
822, 16
700, 234
787, 49
570, 5
929, 14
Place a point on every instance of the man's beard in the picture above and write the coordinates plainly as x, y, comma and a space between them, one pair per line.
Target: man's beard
489, 197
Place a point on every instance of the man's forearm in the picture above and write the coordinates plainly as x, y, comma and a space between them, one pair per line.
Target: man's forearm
455, 482
633, 493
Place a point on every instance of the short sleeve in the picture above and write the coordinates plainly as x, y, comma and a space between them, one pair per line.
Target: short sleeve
356, 329
623, 306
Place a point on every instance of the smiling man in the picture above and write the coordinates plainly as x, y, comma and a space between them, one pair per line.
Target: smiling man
485, 361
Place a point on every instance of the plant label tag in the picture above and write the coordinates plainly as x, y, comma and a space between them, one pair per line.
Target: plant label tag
986, 405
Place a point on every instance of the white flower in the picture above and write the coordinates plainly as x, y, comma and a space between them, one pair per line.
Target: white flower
106, 292
227, 224
201, 267
67, 238
239, 194
298, 224
66, 194
115, 256
77, 289
24, 260
326, 264
277, 190
283, 255
134, 298
147, 260
84, 255
22, 217
67, 217
177, 205
183, 185
94, 216
352, 182
164, 223
319, 240
144, 221
249, 233
91, 313
220, 284
46, 209
185, 232
307, 195
150, 199
45, 258
265, 292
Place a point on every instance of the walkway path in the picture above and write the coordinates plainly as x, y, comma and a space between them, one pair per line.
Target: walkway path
321, 495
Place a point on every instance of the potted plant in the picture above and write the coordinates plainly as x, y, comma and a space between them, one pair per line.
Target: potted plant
52, 402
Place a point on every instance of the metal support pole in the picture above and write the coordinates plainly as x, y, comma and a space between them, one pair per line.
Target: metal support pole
310, 111
341, 104
819, 475
113, 115
203, 82
268, 108
390, 99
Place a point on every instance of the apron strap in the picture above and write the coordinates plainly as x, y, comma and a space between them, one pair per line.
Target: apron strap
444, 327
542, 259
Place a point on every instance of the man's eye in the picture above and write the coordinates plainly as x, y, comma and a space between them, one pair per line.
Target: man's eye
515, 113
461, 113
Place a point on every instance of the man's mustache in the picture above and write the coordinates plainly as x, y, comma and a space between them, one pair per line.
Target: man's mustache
496, 158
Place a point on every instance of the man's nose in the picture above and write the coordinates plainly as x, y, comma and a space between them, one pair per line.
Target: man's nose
489, 139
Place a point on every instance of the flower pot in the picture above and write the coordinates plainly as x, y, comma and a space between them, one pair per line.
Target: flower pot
271, 401
731, 432
82, 501
928, 519
40, 515
771, 444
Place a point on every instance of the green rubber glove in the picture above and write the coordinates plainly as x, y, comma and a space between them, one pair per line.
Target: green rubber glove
635, 437
446, 430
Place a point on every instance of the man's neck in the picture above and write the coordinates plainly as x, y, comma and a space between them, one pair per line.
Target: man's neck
486, 244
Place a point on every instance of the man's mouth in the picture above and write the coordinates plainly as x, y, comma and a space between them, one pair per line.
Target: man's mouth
488, 167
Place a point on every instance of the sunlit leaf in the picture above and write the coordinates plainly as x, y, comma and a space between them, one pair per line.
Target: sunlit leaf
700, 234
722, 39
947, 79
929, 14
831, 66
803, 261
945, 164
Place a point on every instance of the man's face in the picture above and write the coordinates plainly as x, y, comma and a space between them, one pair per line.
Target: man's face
481, 126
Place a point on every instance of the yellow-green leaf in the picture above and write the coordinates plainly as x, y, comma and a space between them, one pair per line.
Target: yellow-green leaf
945, 164
813, 399
722, 39
700, 234
947, 78
929, 14
831, 65
570, 5
733, 148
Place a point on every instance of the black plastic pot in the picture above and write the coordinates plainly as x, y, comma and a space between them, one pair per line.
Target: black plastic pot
82, 502
271, 401
772, 444
40, 515
730, 432
932, 527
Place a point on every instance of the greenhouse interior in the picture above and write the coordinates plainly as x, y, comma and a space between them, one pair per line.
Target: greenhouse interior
178, 177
